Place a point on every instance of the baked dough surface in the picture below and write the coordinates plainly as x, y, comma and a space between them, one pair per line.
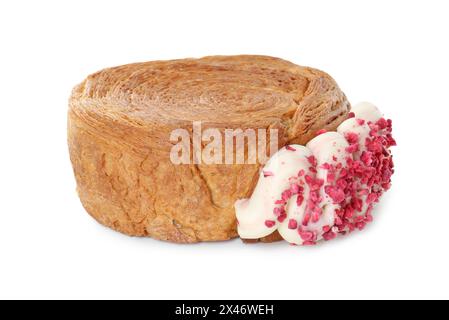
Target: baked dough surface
119, 125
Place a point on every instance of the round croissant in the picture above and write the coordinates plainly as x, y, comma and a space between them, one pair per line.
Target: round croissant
119, 125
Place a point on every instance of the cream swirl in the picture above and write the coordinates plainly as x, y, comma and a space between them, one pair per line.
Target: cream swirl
325, 188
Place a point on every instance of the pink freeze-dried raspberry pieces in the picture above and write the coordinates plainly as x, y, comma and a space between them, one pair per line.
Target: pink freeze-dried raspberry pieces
329, 235
287, 194
309, 243
312, 160
267, 173
270, 223
352, 148
299, 200
282, 218
292, 224
352, 137
336, 194
306, 235
382, 123
354, 184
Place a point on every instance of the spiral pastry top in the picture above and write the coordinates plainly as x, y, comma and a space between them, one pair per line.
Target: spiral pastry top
119, 125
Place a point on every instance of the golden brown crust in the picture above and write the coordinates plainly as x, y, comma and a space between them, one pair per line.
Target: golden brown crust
119, 124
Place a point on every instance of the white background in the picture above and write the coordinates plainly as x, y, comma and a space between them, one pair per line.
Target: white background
393, 53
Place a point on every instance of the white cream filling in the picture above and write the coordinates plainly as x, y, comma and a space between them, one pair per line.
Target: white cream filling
328, 147
253, 212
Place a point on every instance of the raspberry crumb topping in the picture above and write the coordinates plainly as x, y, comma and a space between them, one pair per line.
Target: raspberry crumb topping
352, 148
352, 137
337, 194
360, 122
352, 185
309, 243
270, 223
295, 188
299, 200
267, 174
306, 235
282, 217
329, 235
312, 161
292, 224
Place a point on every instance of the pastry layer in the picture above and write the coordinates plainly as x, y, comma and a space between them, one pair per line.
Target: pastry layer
119, 125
